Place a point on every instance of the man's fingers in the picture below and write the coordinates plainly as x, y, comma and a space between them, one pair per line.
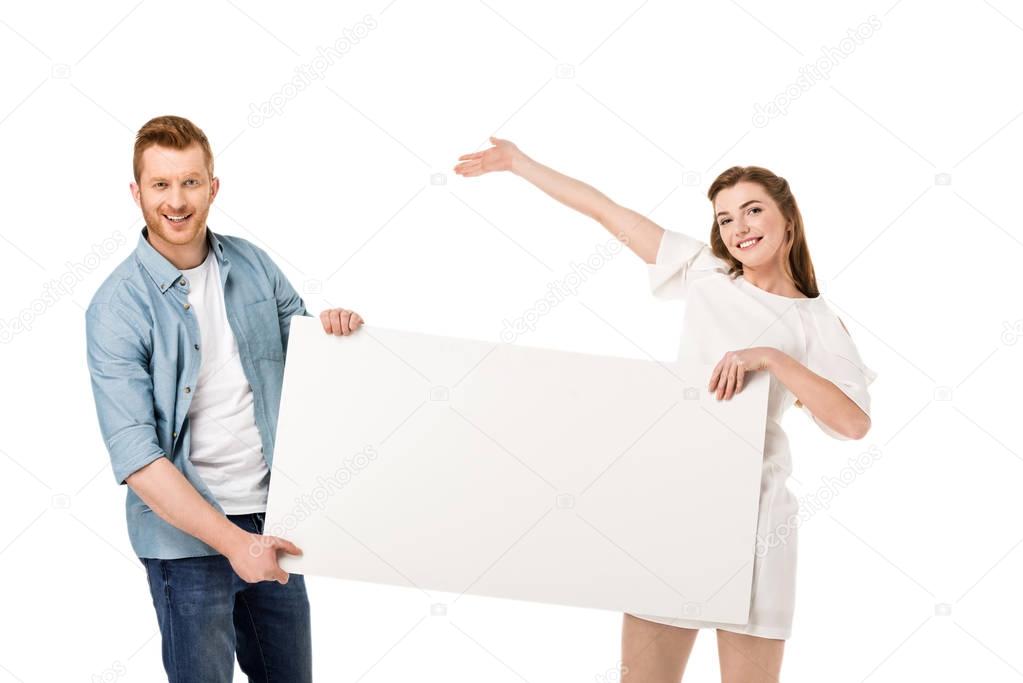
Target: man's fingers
286, 545
344, 316
340, 322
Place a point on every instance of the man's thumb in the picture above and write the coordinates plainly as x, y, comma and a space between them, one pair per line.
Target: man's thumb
288, 547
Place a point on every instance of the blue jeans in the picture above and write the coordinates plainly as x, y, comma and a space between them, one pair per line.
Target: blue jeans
208, 614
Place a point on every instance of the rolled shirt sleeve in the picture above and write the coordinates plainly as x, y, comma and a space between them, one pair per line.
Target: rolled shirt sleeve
680, 260
118, 364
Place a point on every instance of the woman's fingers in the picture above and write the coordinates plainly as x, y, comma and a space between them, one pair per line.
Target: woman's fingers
729, 382
733, 381
728, 378
496, 158
714, 376
736, 375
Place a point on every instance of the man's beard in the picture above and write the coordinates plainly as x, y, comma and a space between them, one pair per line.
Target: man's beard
155, 223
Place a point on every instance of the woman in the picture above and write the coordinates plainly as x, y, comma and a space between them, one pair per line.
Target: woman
758, 245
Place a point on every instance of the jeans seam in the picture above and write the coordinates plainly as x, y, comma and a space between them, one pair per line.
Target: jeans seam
255, 630
170, 619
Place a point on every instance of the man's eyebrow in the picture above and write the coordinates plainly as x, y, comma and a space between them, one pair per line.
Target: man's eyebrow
744, 205
187, 174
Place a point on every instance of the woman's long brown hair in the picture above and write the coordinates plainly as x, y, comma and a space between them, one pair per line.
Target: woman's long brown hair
797, 263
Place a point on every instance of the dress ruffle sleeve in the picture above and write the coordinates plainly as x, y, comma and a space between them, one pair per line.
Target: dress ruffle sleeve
680, 260
831, 353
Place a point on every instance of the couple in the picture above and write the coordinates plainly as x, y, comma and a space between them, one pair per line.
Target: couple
186, 342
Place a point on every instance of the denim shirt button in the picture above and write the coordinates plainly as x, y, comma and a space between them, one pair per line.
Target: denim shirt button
187, 306
188, 390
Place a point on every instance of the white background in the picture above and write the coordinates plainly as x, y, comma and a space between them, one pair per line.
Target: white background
910, 571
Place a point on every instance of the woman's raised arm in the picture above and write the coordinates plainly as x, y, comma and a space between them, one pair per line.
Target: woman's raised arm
636, 231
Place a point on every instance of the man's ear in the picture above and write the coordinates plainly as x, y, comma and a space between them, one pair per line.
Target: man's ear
214, 188
136, 194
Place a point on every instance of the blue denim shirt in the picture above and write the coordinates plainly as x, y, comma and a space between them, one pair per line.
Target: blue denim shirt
144, 353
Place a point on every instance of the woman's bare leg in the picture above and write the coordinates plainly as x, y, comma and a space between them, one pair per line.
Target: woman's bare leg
749, 659
654, 653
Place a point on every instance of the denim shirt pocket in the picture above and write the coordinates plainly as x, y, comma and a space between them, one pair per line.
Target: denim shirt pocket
264, 330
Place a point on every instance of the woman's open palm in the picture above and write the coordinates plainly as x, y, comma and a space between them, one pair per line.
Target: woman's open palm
497, 158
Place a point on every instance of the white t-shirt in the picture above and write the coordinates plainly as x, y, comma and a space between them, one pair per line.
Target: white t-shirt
226, 448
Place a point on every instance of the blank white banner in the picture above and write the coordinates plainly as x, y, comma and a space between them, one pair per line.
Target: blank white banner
470, 467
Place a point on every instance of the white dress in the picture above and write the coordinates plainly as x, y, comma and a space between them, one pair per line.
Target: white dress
809, 331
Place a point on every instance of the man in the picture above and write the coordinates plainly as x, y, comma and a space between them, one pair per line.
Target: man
186, 345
